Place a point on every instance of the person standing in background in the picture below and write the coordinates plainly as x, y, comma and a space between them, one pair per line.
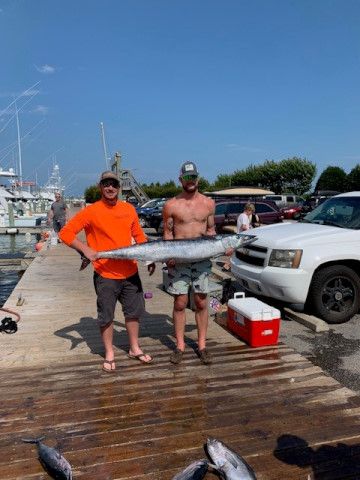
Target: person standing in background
58, 213
244, 221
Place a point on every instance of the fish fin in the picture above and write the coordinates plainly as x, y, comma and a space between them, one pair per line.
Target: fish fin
33, 440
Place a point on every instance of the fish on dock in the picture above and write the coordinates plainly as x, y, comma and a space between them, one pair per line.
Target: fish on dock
51, 460
229, 464
185, 250
195, 471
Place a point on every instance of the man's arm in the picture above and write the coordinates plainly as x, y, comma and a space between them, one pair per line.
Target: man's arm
168, 221
210, 226
50, 215
68, 235
84, 249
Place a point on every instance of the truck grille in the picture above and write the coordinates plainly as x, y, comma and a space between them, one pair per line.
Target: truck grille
252, 255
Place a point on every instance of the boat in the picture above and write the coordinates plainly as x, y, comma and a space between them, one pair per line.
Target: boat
53, 185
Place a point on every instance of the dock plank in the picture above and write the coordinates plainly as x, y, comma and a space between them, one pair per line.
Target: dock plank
150, 421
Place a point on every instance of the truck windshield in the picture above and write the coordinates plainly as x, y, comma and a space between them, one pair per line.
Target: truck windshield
343, 212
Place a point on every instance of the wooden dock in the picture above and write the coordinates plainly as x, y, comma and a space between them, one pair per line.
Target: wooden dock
280, 412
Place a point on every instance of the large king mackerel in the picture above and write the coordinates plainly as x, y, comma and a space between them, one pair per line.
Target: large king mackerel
182, 251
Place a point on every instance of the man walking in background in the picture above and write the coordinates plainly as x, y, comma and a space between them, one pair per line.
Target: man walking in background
58, 213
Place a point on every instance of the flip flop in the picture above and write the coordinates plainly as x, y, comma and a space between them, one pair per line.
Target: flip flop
111, 363
138, 357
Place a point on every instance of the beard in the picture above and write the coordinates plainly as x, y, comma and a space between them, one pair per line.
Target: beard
190, 187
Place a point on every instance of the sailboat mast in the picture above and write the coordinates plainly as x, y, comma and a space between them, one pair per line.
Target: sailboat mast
104, 145
19, 144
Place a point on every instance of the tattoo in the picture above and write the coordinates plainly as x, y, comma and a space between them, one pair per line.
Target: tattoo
170, 225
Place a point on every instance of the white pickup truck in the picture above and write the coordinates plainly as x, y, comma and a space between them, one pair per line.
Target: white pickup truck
314, 263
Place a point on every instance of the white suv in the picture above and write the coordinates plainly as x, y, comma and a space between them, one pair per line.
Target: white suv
313, 263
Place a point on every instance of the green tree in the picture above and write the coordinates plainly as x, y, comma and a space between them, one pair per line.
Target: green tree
353, 179
332, 178
297, 175
92, 194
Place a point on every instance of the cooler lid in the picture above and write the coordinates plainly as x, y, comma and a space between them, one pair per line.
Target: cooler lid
253, 309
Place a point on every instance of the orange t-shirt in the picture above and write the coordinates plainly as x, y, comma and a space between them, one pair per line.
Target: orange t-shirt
107, 228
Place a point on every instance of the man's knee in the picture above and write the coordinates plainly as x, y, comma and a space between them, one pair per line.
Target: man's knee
180, 303
200, 300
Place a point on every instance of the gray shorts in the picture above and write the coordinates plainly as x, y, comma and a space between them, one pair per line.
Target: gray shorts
127, 291
186, 275
58, 224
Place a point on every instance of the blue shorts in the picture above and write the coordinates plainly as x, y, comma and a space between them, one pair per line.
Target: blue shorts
185, 275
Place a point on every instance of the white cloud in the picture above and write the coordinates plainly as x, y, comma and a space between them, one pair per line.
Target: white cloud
46, 69
236, 146
41, 109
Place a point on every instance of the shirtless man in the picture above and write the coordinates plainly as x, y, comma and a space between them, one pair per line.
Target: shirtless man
190, 214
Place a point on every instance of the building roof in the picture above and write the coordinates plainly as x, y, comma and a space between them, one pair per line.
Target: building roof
241, 191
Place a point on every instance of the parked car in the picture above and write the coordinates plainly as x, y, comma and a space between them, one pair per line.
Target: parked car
284, 200
154, 217
227, 212
314, 263
292, 212
147, 208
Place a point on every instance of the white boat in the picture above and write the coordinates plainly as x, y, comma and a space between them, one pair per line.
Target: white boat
53, 185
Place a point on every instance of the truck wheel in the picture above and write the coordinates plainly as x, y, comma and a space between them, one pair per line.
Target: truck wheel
142, 222
334, 294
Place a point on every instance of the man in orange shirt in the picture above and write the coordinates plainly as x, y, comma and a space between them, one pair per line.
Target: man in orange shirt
110, 224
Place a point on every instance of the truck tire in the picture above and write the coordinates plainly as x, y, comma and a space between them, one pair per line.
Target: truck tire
334, 294
142, 221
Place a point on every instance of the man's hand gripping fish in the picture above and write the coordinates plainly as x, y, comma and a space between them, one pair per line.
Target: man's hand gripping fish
181, 250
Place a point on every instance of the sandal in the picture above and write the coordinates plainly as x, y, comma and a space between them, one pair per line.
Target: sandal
176, 356
140, 357
111, 363
204, 356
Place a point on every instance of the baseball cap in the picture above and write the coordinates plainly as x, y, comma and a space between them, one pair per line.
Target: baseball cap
109, 175
188, 168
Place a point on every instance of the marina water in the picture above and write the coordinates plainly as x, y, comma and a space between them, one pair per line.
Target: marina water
12, 246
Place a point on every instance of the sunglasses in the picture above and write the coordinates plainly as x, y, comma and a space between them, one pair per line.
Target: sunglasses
110, 183
189, 178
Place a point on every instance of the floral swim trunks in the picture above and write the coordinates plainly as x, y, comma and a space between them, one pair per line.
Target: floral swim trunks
186, 275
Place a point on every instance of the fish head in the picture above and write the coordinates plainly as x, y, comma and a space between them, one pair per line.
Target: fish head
237, 240
216, 452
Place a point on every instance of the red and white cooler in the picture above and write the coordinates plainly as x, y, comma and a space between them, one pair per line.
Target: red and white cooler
252, 320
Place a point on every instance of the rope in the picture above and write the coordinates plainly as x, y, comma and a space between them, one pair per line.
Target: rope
8, 325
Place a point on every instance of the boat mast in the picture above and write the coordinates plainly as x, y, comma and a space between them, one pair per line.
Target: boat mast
104, 145
19, 144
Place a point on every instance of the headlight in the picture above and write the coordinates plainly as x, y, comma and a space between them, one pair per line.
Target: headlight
285, 258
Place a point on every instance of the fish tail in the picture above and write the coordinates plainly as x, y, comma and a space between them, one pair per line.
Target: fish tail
33, 440
84, 263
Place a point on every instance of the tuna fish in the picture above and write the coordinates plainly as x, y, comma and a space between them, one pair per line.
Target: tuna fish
52, 461
182, 251
195, 471
228, 463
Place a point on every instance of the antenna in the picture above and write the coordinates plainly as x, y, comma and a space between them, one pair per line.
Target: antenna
104, 145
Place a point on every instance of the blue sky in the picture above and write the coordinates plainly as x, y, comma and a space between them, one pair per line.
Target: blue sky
225, 83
